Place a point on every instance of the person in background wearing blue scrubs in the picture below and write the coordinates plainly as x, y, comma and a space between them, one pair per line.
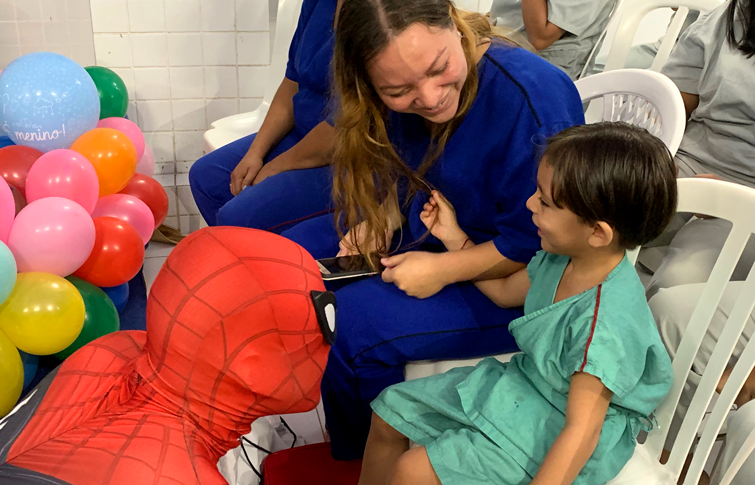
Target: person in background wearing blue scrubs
283, 167
428, 97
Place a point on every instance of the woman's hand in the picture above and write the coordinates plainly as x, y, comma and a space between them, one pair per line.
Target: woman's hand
245, 172
355, 237
273, 167
416, 273
439, 216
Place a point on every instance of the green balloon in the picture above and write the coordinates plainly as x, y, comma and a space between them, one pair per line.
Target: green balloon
101, 316
112, 90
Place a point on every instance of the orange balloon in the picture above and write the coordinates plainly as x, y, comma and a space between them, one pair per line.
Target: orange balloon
113, 156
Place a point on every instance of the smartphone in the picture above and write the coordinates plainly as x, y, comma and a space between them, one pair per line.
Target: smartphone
347, 267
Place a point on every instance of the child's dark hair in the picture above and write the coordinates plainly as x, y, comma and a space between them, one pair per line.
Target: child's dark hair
615, 173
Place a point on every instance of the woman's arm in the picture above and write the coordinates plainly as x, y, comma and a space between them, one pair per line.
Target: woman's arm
690, 103
278, 121
314, 150
540, 32
586, 410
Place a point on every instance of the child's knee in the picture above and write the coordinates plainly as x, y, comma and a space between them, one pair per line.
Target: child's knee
414, 468
385, 431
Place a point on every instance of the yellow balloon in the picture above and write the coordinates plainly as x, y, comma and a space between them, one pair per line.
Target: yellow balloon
11, 375
43, 315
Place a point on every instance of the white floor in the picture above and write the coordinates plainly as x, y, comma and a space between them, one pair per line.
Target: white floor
311, 425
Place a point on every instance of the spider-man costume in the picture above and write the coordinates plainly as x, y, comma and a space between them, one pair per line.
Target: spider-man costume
238, 326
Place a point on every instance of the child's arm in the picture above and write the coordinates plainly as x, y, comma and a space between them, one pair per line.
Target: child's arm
586, 410
439, 217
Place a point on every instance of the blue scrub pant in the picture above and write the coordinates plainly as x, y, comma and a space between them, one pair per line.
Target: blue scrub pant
380, 329
275, 204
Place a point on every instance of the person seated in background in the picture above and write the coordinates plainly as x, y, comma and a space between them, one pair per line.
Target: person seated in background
563, 31
283, 167
713, 67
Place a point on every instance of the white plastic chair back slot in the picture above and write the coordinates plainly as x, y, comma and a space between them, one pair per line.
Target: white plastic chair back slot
639, 97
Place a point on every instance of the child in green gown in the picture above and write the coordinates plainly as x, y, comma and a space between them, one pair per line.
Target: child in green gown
592, 369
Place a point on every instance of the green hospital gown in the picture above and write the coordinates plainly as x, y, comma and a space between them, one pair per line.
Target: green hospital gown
494, 423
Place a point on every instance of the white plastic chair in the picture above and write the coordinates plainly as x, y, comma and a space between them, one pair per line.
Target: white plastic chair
735, 203
231, 128
639, 97
627, 19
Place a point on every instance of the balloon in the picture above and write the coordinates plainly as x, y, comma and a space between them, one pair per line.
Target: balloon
118, 294
128, 209
113, 156
48, 101
117, 256
146, 165
11, 375
129, 129
149, 191
63, 173
101, 316
5, 141
7, 272
43, 315
112, 91
52, 235
31, 364
7, 210
18, 199
15, 163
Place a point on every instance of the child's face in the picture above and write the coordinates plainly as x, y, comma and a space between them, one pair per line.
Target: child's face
560, 230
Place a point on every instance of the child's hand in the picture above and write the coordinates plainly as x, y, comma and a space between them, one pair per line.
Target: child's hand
439, 216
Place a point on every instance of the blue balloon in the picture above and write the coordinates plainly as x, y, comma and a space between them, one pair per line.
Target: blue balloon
7, 272
48, 101
119, 295
5, 141
31, 363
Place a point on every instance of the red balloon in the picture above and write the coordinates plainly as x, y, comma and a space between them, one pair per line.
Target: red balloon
19, 199
15, 162
117, 256
149, 191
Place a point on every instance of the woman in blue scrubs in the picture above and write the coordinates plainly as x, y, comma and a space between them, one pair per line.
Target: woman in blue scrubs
428, 97
279, 176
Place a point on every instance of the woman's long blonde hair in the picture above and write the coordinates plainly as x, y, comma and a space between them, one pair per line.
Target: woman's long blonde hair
366, 168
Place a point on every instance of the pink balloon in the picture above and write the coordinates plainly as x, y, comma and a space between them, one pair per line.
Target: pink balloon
128, 128
7, 210
146, 165
66, 174
128, 209
52, 235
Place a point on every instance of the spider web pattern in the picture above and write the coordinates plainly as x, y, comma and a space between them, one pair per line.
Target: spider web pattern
232, 335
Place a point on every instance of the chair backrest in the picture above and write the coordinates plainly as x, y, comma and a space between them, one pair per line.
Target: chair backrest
639, 97
735, 203
629, 14
285, 26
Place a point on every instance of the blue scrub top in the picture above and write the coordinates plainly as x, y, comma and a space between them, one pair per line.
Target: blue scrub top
488, 169
309, 61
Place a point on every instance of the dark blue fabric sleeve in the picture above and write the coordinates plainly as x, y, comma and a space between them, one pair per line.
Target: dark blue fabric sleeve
308, 6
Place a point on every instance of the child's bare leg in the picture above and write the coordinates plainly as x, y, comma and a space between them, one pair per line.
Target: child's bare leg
414, 468
384, 447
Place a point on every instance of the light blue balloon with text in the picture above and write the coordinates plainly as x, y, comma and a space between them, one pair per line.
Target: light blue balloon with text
47, 101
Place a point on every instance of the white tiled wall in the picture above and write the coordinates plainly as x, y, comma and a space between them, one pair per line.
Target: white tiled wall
187, 63
62, 26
